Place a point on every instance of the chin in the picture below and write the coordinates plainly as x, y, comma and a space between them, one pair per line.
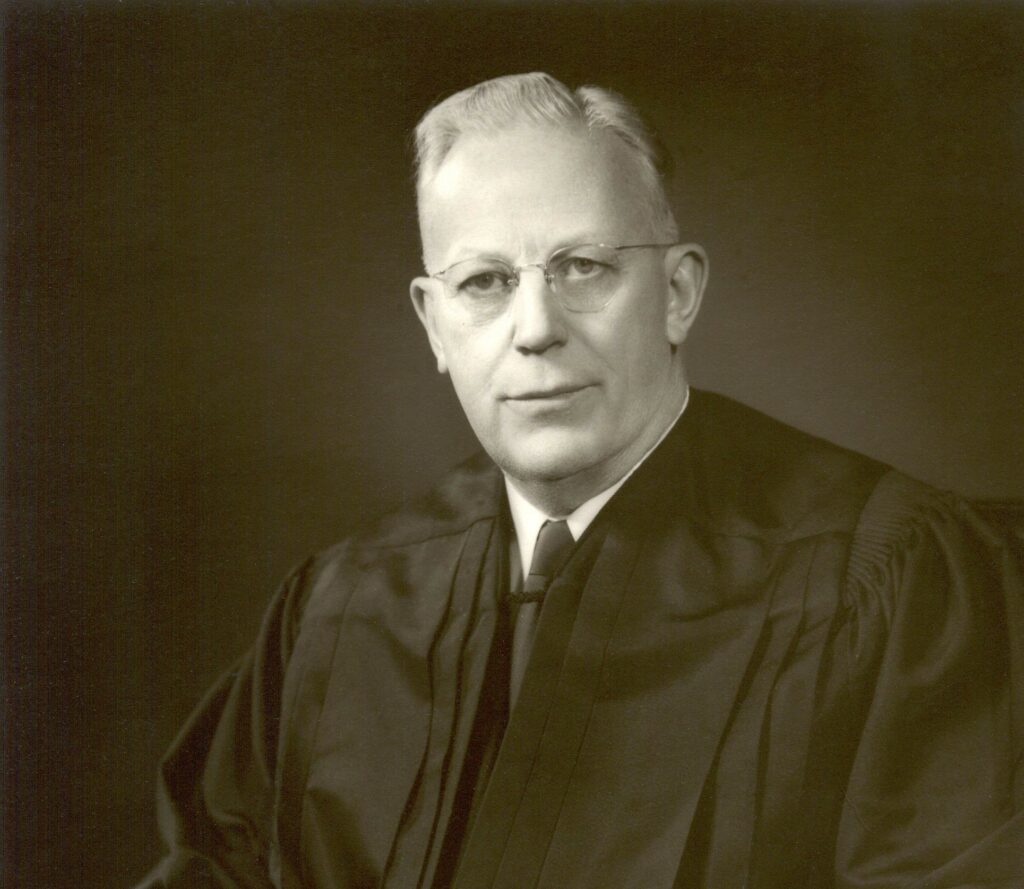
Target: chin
546, 461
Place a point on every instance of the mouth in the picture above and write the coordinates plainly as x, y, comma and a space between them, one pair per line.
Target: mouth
550, 402
553, 393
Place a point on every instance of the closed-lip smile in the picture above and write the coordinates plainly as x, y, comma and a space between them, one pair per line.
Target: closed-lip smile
542, 394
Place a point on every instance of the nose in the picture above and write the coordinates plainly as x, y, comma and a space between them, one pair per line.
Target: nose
537, 315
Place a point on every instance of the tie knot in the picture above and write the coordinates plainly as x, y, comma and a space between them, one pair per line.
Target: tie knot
554, 544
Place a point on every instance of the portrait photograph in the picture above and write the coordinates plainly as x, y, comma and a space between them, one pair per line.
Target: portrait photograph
513, 445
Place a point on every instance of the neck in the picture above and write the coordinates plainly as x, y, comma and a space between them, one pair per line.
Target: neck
560, 497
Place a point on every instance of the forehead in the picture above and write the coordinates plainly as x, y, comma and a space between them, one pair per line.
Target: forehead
529, 190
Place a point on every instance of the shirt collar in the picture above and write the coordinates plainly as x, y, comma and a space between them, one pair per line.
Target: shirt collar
527, 518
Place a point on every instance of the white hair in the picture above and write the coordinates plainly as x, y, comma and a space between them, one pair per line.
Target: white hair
539, 98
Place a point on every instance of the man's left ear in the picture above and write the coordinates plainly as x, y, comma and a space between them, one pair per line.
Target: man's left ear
687, 267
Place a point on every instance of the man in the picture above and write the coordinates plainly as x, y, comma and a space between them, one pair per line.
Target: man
739, 655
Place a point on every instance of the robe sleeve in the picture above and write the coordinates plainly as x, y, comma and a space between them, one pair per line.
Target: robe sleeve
936, 792
216, 785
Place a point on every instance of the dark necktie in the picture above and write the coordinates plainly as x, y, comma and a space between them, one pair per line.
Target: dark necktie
554, 543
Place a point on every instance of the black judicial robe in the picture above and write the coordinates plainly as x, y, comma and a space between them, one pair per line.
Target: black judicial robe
769, 663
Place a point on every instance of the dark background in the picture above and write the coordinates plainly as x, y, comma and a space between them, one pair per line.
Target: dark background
212, 369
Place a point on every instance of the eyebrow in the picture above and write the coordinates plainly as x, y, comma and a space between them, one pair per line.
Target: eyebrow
561, 244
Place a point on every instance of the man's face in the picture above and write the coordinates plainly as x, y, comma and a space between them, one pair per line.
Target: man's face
552, 394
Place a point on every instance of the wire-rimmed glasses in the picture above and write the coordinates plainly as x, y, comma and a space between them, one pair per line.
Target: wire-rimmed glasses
584, 278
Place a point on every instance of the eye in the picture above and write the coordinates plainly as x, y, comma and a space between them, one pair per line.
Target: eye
484, 284
579, 267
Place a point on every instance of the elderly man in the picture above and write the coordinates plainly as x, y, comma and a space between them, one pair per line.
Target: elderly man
653, 638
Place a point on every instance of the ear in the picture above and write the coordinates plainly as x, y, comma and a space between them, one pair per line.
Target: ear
687, 268
423, 292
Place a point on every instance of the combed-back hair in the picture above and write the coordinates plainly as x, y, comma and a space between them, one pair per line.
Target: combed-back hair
539, 98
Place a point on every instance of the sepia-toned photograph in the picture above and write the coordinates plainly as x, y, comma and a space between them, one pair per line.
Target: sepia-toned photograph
513, 445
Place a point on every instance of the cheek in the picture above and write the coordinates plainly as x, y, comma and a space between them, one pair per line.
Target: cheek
470, 366
632, 347
638, 360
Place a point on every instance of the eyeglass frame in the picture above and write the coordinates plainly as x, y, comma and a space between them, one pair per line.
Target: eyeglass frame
514, 277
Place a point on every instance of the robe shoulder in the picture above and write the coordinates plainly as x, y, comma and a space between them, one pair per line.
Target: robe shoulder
908, 529
747, 474
469, 494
